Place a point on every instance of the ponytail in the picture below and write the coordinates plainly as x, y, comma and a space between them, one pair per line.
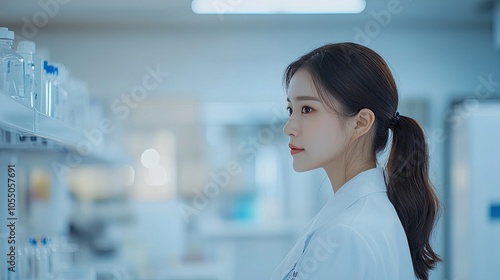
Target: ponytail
410, 191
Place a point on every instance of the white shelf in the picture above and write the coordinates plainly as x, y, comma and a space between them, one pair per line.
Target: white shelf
15, 116
21, 119
18, 118
56, 130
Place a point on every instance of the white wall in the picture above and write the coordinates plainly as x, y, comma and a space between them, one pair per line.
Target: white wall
244, 63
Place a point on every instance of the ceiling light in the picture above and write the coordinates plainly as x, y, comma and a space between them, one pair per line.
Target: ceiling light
277, 6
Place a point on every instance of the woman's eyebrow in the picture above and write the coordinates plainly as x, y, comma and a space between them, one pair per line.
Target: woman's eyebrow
304, 98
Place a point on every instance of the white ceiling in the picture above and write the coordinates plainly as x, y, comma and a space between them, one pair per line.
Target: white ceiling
176, 13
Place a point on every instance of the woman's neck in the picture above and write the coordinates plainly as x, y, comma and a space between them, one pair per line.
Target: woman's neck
339, 175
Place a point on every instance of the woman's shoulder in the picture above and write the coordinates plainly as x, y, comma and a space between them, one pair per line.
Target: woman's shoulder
342, 232
372, 216
372, 226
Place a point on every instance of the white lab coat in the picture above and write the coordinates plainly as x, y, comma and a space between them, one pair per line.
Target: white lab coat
357, 235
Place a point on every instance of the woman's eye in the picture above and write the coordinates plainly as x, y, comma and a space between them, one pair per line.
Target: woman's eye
289, 109
306, 110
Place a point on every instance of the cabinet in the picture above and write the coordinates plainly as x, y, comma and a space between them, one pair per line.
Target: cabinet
473, 193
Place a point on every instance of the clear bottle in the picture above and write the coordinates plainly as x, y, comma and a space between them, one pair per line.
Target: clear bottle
40, 81
32, 69
33, 264
44, 104
39, 259
11, 68
46, 264
62, 111
78, 102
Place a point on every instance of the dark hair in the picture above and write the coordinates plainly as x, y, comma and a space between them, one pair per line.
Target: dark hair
350, 77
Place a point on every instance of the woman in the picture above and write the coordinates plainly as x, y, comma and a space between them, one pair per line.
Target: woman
342, 101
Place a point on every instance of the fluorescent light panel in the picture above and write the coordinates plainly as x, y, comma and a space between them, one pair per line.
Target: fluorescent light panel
278, 6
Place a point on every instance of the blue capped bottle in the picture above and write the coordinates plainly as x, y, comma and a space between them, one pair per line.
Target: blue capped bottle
50, 96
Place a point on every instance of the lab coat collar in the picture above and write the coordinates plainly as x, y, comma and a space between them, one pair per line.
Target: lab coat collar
364, 183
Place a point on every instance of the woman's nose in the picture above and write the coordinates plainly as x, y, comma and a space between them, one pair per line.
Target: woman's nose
290, 128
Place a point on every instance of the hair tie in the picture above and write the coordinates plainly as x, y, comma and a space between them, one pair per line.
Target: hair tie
394, 121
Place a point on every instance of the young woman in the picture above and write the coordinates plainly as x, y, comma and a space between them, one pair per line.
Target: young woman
343, 101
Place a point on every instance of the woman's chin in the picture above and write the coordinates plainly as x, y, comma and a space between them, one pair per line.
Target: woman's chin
301, 168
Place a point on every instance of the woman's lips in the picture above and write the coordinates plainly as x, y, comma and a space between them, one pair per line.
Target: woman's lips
294, 149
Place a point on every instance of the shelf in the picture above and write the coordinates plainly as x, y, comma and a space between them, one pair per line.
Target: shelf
15, 116
18, 118
56, 130
58, 136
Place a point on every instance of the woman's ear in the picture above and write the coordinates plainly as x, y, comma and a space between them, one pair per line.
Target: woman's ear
363, 122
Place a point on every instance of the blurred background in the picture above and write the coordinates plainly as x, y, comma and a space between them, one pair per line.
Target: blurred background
169, 162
